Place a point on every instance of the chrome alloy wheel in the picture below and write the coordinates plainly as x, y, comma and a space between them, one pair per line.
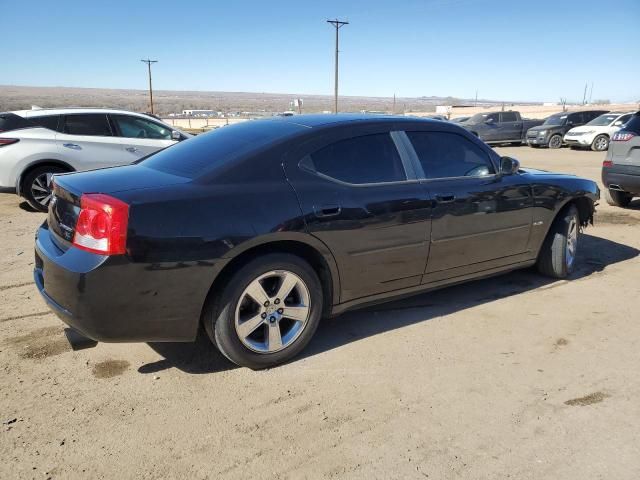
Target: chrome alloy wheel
272, 311
601, 144
572, 242
41, 188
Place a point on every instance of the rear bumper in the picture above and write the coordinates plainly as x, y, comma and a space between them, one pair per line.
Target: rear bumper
626, 177
112, 299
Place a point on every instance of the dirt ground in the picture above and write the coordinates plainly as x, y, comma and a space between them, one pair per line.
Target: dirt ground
511, 377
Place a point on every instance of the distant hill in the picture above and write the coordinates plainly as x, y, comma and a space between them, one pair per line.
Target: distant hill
167, 101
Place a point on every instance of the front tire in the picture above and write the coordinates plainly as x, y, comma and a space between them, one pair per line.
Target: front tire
557, 257
616, 198
555, 141
267, 312
600, 143
36, 187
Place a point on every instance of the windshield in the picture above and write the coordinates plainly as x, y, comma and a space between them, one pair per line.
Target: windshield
196, 156
478, 118
602, 120
559, 119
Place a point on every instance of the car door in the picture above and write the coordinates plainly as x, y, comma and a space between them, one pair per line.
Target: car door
480, 218
359, 196
490, 129
141, 137
86, 141
510, 126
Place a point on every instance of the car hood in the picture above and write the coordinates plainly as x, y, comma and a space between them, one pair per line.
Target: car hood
545, 127
587, 128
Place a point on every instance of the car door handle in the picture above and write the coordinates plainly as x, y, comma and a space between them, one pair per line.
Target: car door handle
327, 210
445, 198
132, 150
72, 146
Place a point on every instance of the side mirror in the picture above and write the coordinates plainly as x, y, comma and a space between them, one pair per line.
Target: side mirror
489, 120
176, 135
509, 166
618, 123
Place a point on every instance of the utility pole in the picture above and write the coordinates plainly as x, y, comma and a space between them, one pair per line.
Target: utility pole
476, 102
591, 93
338, 24
584, 95
394, 104
149, 62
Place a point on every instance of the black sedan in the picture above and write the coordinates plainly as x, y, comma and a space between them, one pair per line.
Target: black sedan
256, 231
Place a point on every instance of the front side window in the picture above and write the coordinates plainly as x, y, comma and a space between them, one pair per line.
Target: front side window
576, 119
136, 127
360, 160
92, 124
509, 117
447, 155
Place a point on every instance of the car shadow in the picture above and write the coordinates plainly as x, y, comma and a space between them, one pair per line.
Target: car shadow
27, 208
595, 255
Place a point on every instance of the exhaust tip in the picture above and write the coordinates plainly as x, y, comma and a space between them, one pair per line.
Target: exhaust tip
77, 340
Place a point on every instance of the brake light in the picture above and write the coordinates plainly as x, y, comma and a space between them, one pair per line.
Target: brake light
8, 141
622, 136
102, 224
607, 164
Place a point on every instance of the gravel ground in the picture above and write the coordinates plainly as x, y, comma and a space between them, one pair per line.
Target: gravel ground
511, 377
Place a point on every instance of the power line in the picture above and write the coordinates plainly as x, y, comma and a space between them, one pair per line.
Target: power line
149, 62
338, 24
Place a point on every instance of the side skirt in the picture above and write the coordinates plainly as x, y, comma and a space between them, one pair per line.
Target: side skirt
426, 287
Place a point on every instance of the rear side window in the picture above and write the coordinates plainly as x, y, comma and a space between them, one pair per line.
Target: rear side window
448, 155
136, 127
213, 150
576, 118
359, 160
509, 117
11, 121
46, 121
91, 124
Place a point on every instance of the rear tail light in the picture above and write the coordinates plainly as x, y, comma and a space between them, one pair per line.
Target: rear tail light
607, 164
8, 141
102, 224
622, 136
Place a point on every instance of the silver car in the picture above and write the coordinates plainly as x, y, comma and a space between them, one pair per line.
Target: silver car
621, 166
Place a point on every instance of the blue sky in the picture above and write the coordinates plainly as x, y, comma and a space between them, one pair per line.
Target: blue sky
508, 50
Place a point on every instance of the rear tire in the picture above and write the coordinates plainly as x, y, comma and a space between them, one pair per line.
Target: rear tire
557, 256
36, 186
600, 143
616, 198
233, 307
555, 141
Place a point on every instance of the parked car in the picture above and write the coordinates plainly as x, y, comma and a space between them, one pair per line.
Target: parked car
597, 133
500, 127
460, 119
258, 230
35, 144
551, 132
621, 166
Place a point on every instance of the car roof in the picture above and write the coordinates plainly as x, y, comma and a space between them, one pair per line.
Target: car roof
325, 120
71, 110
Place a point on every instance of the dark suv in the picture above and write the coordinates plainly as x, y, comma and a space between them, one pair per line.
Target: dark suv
621, 166
551, 132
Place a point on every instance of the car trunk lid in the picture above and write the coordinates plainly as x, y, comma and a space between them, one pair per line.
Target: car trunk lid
68, 189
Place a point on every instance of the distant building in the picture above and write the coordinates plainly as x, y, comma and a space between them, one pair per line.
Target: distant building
201, 113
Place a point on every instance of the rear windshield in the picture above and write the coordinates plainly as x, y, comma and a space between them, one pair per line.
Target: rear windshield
196, 156
633, 125
11, 121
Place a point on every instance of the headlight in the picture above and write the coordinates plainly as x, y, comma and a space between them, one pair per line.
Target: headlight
588, 132
542, 132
